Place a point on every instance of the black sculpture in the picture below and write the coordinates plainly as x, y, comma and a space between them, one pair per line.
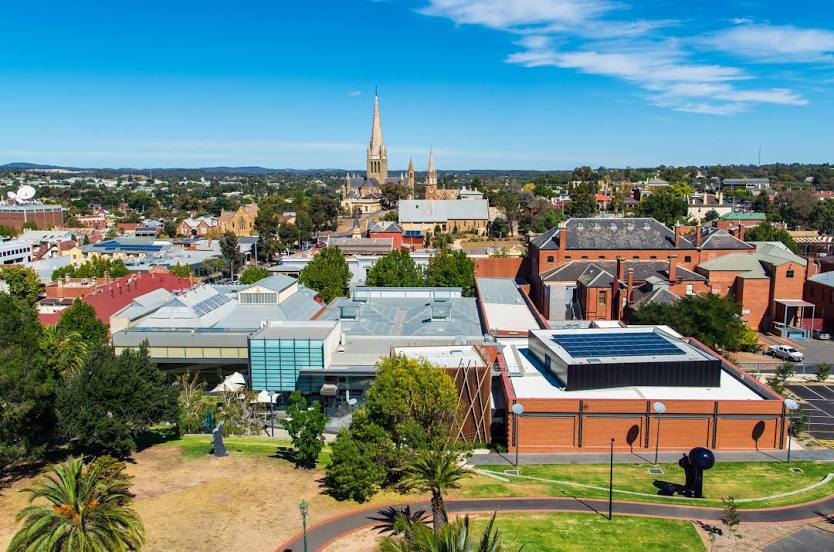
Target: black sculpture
693, 465
219, 449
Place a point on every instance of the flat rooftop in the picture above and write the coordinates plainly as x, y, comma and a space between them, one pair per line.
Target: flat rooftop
504, 306
453, 356
645, 344
530, 380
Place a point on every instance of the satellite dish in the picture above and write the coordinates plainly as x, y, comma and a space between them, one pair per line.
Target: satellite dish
11, 195
352, 402
25, 193
791, 404
518, 409
659, 407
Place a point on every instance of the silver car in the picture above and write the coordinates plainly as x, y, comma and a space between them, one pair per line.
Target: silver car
786, 352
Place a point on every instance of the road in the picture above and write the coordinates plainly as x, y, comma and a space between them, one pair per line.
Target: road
322, 534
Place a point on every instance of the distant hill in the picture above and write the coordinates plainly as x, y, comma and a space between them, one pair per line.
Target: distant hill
22, 166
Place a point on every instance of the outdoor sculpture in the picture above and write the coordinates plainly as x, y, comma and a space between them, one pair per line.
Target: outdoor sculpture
693, 464
219, 449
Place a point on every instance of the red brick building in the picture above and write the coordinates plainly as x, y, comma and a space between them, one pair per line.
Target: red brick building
400, 239
44, 216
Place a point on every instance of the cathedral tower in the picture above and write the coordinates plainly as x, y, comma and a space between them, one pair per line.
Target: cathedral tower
410, 178
431, 178
377, 167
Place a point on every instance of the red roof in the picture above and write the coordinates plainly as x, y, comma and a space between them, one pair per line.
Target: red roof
121, 292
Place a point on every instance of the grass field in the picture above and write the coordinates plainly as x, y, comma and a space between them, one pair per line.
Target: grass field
565, 532
740, 480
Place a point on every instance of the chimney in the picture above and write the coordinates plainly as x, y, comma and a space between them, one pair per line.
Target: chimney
563, 238
106, 278
740, 232
812, 268
698, 236
673, 269
677, 236
629, 284
620, 268
720, 198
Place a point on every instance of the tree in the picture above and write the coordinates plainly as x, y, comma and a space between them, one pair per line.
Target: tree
306, 428
192, 408
27, 384
796, 207
324, 212
664, 206
395, 269
824, 216
355, 470
23, 282
266, 225
170, 228
181, 270
64, 351
451, 269
328, 274
8, 231
113, 399
761, 203
780, 377
682, 189
87, 509
730, 516
499, 228
508, 201
711, 215
252, 274
714, 321
766, 232
823, 371
230, 248
96, 267
81, 319
456, 536
435, 471
582, 202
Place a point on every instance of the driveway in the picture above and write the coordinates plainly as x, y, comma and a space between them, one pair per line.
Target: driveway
818, 404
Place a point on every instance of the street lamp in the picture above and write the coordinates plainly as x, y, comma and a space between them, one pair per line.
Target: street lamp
518, 410
611, 483
660, 408
303, 506
791, 405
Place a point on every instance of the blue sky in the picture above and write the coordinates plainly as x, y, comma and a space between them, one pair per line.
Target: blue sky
512, 84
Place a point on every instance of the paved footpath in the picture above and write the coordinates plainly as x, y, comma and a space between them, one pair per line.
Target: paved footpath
322, 534
493, 458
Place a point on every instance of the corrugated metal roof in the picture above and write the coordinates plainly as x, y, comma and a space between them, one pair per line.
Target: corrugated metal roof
438, 210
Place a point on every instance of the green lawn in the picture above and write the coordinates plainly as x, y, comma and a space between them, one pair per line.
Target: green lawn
197, 446
738, 479
568, 532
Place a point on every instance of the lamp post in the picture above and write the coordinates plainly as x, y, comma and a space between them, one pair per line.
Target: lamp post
611, 483
272, 411
660, 408
303, 506
518, 410
791, 405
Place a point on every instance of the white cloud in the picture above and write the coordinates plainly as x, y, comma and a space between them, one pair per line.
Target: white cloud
771, 43
354, 93
505, 14
579, 35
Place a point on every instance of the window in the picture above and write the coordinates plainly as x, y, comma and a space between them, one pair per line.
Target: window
687, 259
602, 256
584, 256
789, 274
603, 297
550, 258
653, 257
568, 257
690, 289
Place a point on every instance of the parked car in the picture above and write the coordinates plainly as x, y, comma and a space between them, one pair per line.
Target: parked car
785, 352
819, 334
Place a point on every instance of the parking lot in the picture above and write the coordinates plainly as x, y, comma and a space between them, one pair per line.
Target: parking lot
818, 404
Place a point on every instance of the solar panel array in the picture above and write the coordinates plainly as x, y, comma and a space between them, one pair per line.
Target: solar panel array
207, 305
616, 344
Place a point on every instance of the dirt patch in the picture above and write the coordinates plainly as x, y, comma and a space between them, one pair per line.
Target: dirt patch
360, 541
754, 536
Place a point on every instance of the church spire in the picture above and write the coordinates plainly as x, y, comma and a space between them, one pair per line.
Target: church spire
431, 177
377, 166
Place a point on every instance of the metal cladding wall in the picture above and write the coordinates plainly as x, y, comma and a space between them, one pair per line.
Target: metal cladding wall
690, 373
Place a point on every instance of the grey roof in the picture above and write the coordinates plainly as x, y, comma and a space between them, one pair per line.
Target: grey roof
407, 316
203, 337
584, 271
276, 282
145, 304
657, 296
502, 291
597, 233
297, 330
756, 264
388, 226
440, 210
824, 278
715, 238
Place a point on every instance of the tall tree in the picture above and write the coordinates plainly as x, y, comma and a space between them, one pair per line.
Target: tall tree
395, 269
252, 274
451, 269
324, 212
582, 202
230, 248
435, 471
664, 206
81, 319
768, 232
65, 351
113, 399
86, 509
266, 225
328, 274
23, 282
305, 424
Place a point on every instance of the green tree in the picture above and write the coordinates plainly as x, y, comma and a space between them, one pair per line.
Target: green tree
96, 267
27, 384
823, 372
714, 321
664, 206
266, 225
356, 470
305, 424
582, 202
456, 536
328, 274
170, 228
768, 233
23, 282
324, 212
711, 215
682, 189
192, 407
499, 228
81, 319
230, 248
451, 269
8, 231
824, 216
30, 225
114, 399
64, 351
252, 274
395, 269
730, 516
181, 270
435, 471
86, 509
508, 201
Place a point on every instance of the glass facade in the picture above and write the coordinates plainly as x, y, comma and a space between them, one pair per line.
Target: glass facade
275, 363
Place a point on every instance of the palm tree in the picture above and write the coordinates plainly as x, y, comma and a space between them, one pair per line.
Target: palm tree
436, 471
67, 350
456, 536
87, 511
397, 520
